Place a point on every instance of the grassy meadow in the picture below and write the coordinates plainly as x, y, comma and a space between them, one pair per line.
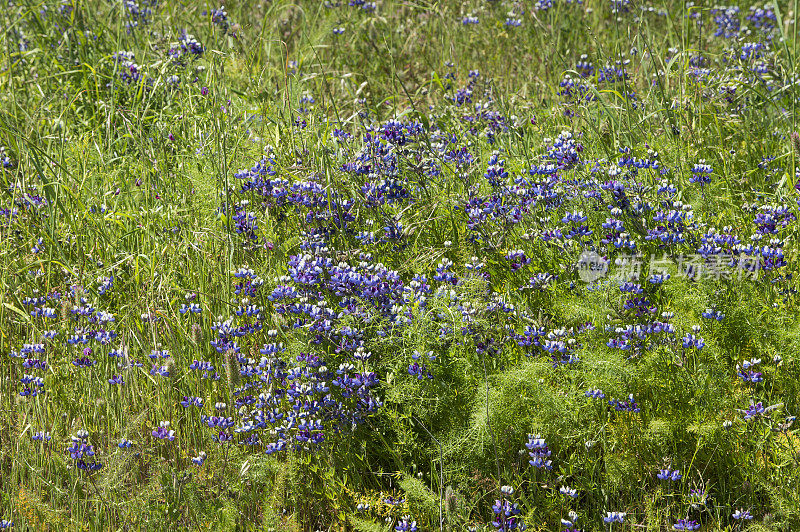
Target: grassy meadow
403, 265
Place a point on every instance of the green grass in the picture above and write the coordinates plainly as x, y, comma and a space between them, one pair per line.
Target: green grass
139, 183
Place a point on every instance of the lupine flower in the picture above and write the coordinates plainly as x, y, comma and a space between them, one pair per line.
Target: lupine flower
697, 498
219, 17
193, 308
573, 518
614, 517
505, 515
162, 432
217, 421
517, 259
539, 452
747, 364
701, 173
406, 524
742, 514
754, 411
625, 406
686, 524
155, 354
33, 385
750, 375
41, 436
192, 401
34, 363
691, 340
392, 501
80, 450
83, 362
201, 366
710, 314
668, 474
160, 370
570, 492
419, 371
89, 466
